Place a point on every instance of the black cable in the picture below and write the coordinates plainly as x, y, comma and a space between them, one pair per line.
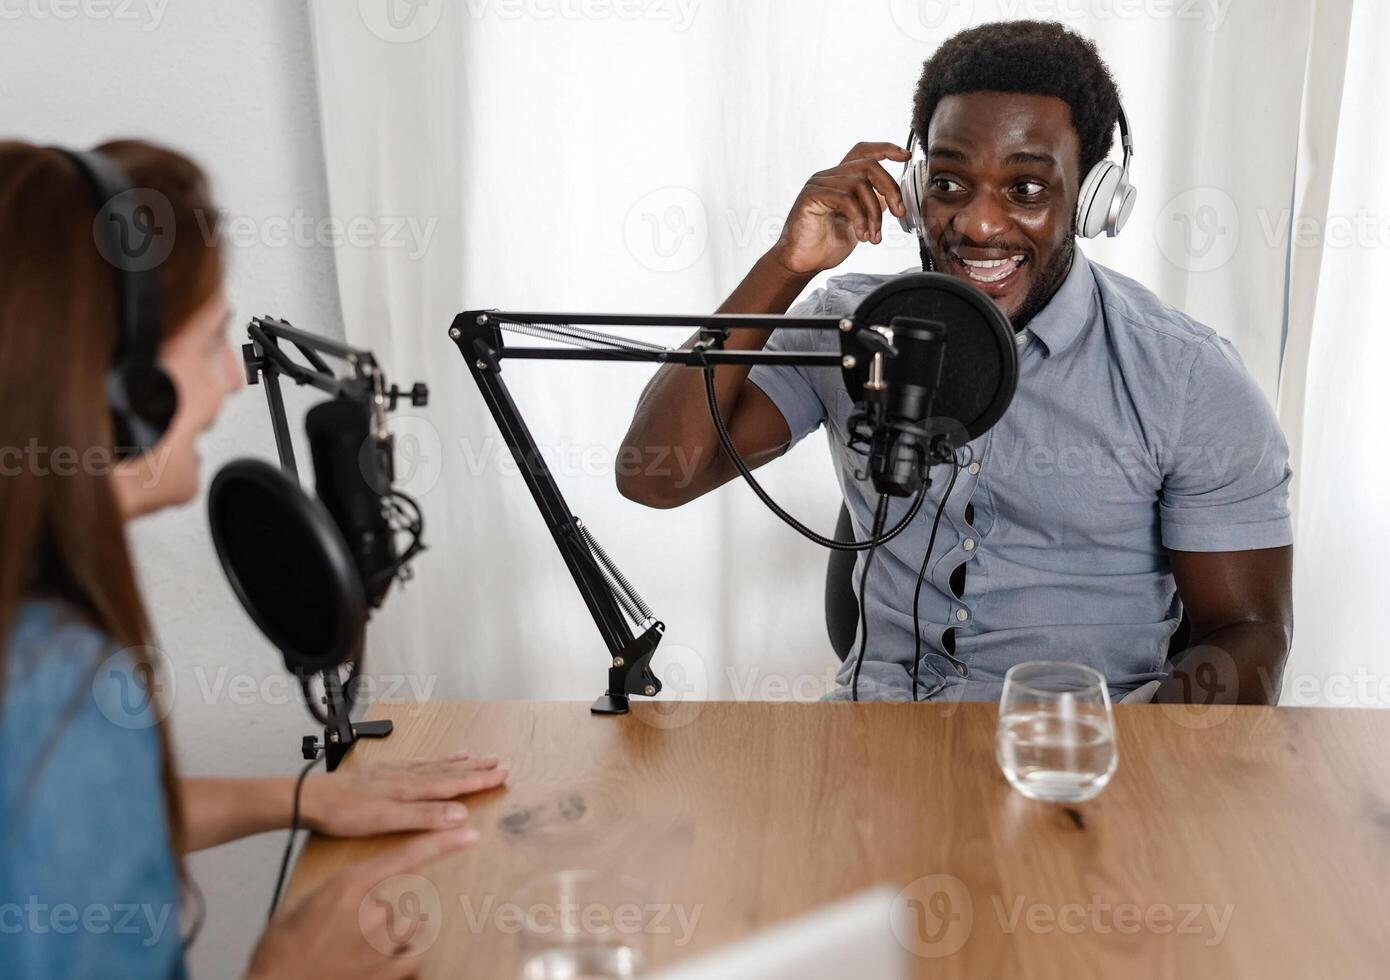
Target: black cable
921, 575
294, 829
726, 441
880, 518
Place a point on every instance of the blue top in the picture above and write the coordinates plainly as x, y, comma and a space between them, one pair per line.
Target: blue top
1134, 430
87, 880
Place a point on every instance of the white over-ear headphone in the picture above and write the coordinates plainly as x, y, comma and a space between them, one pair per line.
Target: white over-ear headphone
1104, 204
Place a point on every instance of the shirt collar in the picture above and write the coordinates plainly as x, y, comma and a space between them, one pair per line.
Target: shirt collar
1058, 324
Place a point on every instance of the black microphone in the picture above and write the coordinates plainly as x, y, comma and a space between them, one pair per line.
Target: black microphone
352, 476
901, 449
945, 377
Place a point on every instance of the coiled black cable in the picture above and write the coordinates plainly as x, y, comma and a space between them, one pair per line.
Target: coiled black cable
727, 443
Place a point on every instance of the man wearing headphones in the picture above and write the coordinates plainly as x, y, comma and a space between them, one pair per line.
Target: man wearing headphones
1138, 475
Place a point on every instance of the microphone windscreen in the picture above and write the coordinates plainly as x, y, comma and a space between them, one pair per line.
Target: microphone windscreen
288, 565
979, 371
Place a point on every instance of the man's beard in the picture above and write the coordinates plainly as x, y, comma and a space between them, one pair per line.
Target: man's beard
1049, 280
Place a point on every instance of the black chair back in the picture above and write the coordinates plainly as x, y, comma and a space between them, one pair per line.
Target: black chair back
841, 601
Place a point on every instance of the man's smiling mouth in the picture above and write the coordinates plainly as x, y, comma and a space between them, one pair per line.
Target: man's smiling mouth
993, 274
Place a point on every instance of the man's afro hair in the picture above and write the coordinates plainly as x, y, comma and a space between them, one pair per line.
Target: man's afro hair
1029, 56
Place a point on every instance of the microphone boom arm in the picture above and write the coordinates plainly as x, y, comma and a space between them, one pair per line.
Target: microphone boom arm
627, 626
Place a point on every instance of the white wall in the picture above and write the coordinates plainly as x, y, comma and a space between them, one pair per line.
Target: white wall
233, 85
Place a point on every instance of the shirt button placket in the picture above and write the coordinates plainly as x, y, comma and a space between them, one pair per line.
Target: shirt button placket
962, 615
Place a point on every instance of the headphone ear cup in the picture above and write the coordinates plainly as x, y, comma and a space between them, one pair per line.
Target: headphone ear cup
1093, 204
1124, 204
143, 401
911, 188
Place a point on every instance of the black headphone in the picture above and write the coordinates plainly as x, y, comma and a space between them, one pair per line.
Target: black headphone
141, 395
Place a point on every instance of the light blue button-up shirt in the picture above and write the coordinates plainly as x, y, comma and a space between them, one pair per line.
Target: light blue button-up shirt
1134, 430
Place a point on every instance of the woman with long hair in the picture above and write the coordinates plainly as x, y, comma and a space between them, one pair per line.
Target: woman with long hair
94, 820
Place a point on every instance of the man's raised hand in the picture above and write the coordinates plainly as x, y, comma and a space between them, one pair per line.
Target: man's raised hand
839, 208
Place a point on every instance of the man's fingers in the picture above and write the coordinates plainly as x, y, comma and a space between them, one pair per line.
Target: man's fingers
870, 207
832, 196
877, 151
887, 186
873, 207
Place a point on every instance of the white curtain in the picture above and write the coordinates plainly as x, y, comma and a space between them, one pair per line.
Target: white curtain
639, 156
1341, 403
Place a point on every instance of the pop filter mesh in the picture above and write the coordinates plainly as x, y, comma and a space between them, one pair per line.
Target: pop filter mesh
294, 580
980, 364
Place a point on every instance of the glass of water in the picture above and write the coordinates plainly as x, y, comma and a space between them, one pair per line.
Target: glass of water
583, 925
1056, 735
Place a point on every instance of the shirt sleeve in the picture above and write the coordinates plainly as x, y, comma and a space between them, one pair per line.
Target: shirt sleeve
1226, 478
791, 388
89, 887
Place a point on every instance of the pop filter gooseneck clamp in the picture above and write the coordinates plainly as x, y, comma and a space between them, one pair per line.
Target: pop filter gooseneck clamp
285, 553
969, 381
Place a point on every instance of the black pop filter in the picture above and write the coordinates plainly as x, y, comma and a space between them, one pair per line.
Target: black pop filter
288, 564
980, 368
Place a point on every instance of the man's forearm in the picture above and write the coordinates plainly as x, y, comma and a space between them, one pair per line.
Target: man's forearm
672, 414
1238, 664
768, 288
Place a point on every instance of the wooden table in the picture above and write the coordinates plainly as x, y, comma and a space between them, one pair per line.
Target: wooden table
1232, 842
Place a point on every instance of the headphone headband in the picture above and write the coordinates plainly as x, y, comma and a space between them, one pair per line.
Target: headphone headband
1126, 140
137, 286
141, 396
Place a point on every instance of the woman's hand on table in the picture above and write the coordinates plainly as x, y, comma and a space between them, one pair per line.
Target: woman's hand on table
391, 797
